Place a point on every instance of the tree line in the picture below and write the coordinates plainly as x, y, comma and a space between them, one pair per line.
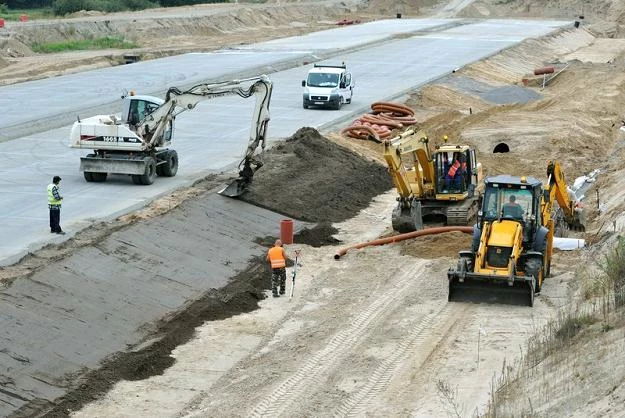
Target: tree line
63, 7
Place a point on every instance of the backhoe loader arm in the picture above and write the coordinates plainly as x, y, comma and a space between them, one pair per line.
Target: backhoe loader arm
557, 191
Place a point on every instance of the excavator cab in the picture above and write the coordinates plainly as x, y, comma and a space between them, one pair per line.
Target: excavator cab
454, 171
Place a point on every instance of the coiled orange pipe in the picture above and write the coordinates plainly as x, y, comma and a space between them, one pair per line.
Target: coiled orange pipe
386, 116
408, 235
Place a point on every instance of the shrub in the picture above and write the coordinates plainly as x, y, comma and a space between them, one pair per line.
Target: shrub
614, 268
63, 7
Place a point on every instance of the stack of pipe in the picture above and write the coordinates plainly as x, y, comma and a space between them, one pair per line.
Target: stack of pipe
379, 124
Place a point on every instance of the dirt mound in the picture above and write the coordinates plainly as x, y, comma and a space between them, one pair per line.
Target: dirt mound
435, 246
311, 179
13, 48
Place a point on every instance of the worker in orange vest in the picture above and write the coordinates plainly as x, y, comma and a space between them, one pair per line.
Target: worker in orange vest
276, 256
456, 172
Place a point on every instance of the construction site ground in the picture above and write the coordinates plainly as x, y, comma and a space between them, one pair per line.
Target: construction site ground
372, 333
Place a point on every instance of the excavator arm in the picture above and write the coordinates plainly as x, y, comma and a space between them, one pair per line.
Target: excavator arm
410, 182
177, 101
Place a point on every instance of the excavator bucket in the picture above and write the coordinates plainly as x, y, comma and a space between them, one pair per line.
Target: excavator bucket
241, 184
235, 189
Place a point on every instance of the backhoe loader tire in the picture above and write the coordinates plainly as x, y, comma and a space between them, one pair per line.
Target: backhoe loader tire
148, 177
88, 175
170, 167
534, 267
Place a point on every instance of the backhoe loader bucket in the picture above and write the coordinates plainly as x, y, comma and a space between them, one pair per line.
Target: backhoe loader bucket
482, 291
484, 288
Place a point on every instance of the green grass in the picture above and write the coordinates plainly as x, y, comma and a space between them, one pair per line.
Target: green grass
33, 14
100, 43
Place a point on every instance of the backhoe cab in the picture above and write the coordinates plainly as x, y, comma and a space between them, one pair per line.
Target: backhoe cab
513, 238
443, 183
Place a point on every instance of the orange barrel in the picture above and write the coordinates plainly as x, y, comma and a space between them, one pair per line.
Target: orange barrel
286, 231
544, 70
1, 22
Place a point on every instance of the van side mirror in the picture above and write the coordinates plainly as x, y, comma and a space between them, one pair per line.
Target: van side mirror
303, 83
342, 85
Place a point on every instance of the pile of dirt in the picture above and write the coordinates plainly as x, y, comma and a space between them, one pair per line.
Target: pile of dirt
311, 179
436, 246
12, 48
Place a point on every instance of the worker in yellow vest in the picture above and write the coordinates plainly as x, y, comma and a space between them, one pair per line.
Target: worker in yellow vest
54, 204
276, 256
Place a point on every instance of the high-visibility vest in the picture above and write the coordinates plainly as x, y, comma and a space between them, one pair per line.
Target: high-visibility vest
51, 199
454, 167
276, 258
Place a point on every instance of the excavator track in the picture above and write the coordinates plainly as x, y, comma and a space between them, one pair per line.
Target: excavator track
462, 214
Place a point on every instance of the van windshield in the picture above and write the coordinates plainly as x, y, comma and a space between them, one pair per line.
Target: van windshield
323, 80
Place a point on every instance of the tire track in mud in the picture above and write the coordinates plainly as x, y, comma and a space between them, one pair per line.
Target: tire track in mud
419, 340
311, 374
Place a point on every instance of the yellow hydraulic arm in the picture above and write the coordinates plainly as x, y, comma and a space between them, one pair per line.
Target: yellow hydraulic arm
417, 182
557, 190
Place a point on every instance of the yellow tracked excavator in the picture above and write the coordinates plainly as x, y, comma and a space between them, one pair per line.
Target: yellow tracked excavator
444, 183
513, 238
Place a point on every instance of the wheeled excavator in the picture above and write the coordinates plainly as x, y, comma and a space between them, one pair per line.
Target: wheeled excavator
425, 189
513, 238
137, 143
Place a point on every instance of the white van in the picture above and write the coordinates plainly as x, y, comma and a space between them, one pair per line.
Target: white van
328, 86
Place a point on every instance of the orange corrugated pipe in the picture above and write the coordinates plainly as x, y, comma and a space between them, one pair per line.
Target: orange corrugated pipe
407, 235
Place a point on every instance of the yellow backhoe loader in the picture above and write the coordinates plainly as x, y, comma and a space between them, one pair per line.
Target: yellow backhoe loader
513, 239
444, 183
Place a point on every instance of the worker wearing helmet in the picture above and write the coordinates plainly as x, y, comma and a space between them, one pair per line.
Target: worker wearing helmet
54, 204
276, 256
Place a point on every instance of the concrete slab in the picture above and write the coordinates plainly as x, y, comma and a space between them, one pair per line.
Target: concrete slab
71, 315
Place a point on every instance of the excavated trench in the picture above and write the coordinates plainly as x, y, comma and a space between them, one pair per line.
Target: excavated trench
307, 178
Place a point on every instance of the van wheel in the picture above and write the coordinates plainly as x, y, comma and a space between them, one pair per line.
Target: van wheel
349, 100
337, 106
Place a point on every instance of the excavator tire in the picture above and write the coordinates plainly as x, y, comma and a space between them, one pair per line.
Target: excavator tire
148, 177
170, 167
